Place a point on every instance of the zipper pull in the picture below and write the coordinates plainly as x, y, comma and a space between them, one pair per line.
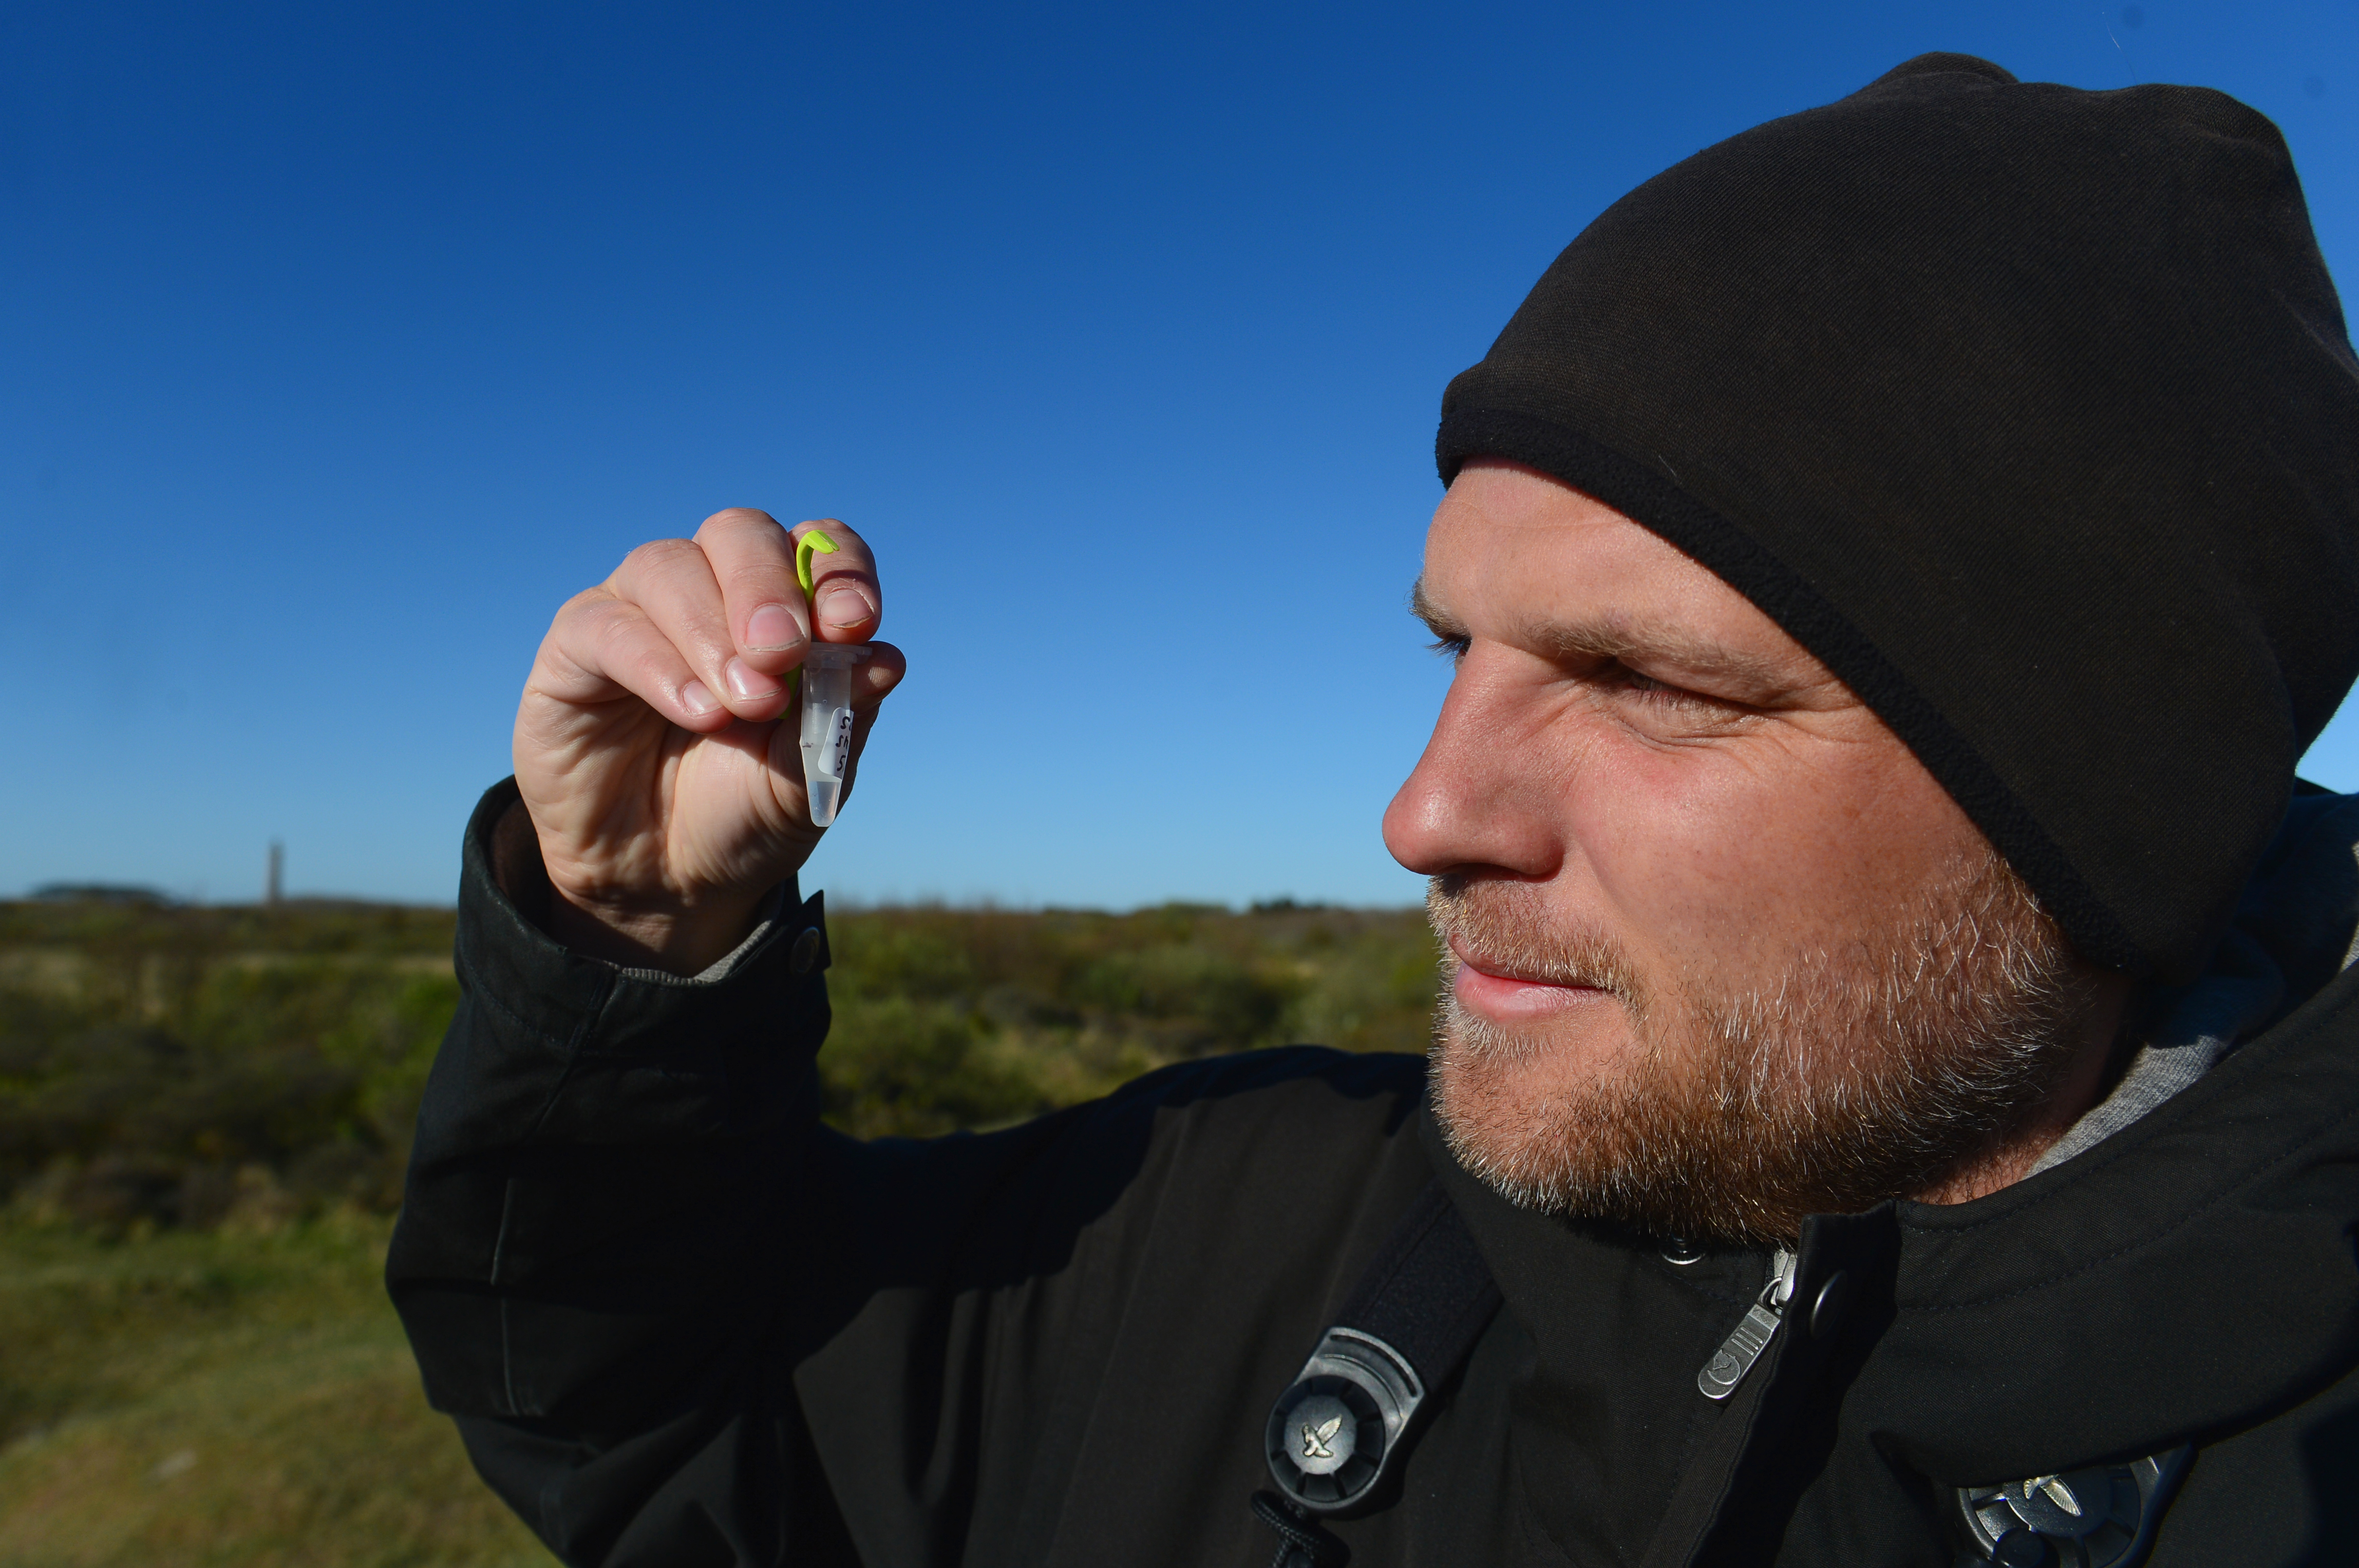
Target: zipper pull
1741, 1349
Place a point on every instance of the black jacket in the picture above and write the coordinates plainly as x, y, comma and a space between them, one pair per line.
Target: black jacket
679, 1321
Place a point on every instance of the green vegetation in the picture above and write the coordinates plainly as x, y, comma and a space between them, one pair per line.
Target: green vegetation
242, 1395
205, 1114
172, 1067
962, 1017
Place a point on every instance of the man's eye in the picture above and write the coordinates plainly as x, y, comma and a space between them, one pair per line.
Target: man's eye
1630, 680
1663, 694
1452, 646
1676, 704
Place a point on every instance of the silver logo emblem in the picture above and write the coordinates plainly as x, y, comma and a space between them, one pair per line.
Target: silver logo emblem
1321, 1434
2102, 1517
2056, 1491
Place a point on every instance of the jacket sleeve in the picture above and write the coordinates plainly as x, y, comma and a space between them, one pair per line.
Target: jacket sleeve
678, 1321
597, 1224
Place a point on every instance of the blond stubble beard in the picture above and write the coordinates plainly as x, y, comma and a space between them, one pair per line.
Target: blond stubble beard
1872, 1072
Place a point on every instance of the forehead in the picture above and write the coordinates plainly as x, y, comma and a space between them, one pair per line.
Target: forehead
1513, 552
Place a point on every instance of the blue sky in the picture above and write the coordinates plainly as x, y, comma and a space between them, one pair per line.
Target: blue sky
343, 343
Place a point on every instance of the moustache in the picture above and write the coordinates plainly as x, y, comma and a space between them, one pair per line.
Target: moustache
1507, 929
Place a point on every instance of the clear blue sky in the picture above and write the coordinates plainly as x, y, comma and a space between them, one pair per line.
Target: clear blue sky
341, 342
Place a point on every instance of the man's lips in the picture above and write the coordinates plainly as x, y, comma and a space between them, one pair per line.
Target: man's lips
1482, 987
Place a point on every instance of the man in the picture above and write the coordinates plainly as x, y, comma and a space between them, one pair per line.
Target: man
1899, 1081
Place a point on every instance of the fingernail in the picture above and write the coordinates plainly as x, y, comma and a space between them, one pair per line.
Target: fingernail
771, 628
845, 607
696, 697
749, 683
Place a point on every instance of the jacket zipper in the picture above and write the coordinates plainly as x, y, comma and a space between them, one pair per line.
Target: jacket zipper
1741, 1349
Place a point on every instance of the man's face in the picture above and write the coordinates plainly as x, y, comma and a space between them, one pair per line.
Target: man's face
1723, 951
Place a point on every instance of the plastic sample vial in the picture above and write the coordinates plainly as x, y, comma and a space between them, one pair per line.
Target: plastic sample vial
827, 723
826, 679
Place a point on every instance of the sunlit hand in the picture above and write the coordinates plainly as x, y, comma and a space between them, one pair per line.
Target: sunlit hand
656, 747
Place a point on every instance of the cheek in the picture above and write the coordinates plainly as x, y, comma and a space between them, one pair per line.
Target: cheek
1705, 854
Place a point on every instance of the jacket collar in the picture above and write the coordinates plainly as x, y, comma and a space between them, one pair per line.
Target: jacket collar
2188, 1276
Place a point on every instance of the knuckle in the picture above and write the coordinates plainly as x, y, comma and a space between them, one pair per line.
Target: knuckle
580, 606
606, 629
735, 519
657, 554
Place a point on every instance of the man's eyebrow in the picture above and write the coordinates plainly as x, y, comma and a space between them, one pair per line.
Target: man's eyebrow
1613, 639
1438, 621
1629, 644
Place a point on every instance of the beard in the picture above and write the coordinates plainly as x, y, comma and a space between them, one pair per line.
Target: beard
1851, 1077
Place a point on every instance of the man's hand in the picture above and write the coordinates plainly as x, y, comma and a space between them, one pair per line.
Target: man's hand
657, 744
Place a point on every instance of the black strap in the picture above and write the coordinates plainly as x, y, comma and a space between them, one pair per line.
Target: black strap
1336, 1436
1427, 1293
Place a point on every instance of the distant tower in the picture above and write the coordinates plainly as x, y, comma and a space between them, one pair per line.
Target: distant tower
273, 888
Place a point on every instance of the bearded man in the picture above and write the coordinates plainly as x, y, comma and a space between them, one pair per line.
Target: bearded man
1897, 1095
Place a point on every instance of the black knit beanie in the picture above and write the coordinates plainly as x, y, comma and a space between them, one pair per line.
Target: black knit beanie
2029, 410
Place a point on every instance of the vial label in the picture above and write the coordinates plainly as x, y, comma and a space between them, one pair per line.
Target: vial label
838, 745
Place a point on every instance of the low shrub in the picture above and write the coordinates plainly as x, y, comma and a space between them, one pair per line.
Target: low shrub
160, 1069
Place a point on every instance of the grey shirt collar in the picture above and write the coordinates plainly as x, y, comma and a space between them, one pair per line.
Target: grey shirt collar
2296, 926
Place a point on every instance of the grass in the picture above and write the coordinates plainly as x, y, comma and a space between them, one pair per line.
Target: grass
205, 1114
233, 1397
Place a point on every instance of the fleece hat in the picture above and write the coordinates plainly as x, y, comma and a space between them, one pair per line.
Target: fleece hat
2031, 412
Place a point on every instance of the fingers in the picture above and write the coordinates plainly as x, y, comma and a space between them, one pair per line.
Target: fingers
769, 619
601, 645
876, 676
846, 599
703, 630
671, 582
753, 560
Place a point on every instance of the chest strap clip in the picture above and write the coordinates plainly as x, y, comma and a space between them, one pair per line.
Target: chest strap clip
1334, 1435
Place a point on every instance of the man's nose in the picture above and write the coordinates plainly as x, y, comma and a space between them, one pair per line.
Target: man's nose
1480, 797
